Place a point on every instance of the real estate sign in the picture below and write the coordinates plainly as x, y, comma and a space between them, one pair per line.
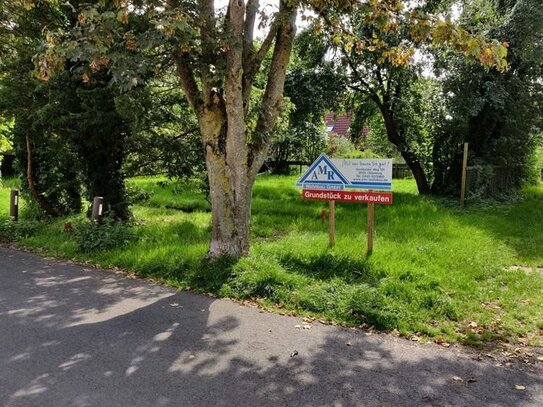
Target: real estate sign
348, 196
339, 174
333, 179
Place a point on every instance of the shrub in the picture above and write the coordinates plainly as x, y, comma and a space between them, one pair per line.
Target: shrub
12, 231
102, 237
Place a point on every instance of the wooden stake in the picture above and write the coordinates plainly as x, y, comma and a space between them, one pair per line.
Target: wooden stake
371, 222
332, 222
14, 205
464, 174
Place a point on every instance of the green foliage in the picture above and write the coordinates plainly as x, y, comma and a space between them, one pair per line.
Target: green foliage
95, 238
313, 86
68, 128
13, 231
339, 146
498, 114
6, 143
164, 132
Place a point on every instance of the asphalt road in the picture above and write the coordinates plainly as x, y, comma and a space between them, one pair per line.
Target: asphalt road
76, 336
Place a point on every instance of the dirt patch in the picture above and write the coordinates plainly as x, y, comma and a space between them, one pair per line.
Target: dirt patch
525, 269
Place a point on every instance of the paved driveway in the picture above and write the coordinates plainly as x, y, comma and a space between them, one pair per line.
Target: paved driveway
75, 336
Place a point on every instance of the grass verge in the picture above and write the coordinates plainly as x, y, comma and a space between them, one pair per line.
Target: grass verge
436, 271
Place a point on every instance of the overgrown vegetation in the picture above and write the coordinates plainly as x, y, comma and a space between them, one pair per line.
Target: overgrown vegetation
436, 270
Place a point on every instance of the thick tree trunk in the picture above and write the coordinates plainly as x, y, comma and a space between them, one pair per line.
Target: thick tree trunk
233, 152
408, 155
230, 188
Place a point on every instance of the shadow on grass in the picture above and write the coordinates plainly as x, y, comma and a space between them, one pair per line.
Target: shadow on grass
326, 266
518, 225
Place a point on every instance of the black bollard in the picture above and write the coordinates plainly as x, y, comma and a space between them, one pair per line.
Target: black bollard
97, 209
14, 205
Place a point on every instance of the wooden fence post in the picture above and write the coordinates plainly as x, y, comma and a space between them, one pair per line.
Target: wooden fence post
464, 175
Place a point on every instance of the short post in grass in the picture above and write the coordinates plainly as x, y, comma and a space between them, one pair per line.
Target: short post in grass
97, 209
371, 226
332, 222
14, 205
464, 175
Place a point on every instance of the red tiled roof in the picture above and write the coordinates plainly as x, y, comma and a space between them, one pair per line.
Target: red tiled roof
340, 123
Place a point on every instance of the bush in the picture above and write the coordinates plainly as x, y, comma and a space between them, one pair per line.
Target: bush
12, 231
135, 195
339, 146
102, 237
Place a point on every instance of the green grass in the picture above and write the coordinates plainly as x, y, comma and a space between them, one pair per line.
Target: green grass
434, 271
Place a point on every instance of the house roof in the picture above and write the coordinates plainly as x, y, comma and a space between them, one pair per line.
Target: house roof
340, 124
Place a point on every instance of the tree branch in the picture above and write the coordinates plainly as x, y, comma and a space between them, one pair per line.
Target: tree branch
188, 81
273, 95
249, 28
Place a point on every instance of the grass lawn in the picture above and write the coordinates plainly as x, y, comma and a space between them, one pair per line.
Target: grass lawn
436, 270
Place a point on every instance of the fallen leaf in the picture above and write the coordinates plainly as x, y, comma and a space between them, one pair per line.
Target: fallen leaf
520, 387
349, 343
307, 319
458, 379
471, 379
297, 326
415, 338
473, 324
540, 358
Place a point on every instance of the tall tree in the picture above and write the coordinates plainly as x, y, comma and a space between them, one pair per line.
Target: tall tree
379, 53
500, 115
68, 131
217, 60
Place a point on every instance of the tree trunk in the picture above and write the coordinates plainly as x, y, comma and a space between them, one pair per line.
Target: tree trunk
32, 186
230, 190
233, 152
408, 155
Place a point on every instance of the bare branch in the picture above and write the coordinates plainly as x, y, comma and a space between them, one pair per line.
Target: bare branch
273, 95
249, 28
253, 60
188, 81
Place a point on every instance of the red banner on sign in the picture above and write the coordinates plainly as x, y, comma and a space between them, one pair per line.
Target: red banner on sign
384, 198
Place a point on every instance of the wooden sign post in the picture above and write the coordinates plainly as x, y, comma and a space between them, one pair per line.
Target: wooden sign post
371, 223
464, 175
332, 222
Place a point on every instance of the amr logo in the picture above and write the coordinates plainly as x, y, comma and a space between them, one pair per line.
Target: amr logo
323, 170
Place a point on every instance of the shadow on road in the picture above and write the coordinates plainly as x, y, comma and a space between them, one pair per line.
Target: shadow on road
76, 337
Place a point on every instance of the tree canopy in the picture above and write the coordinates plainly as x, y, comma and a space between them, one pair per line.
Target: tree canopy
116, 46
